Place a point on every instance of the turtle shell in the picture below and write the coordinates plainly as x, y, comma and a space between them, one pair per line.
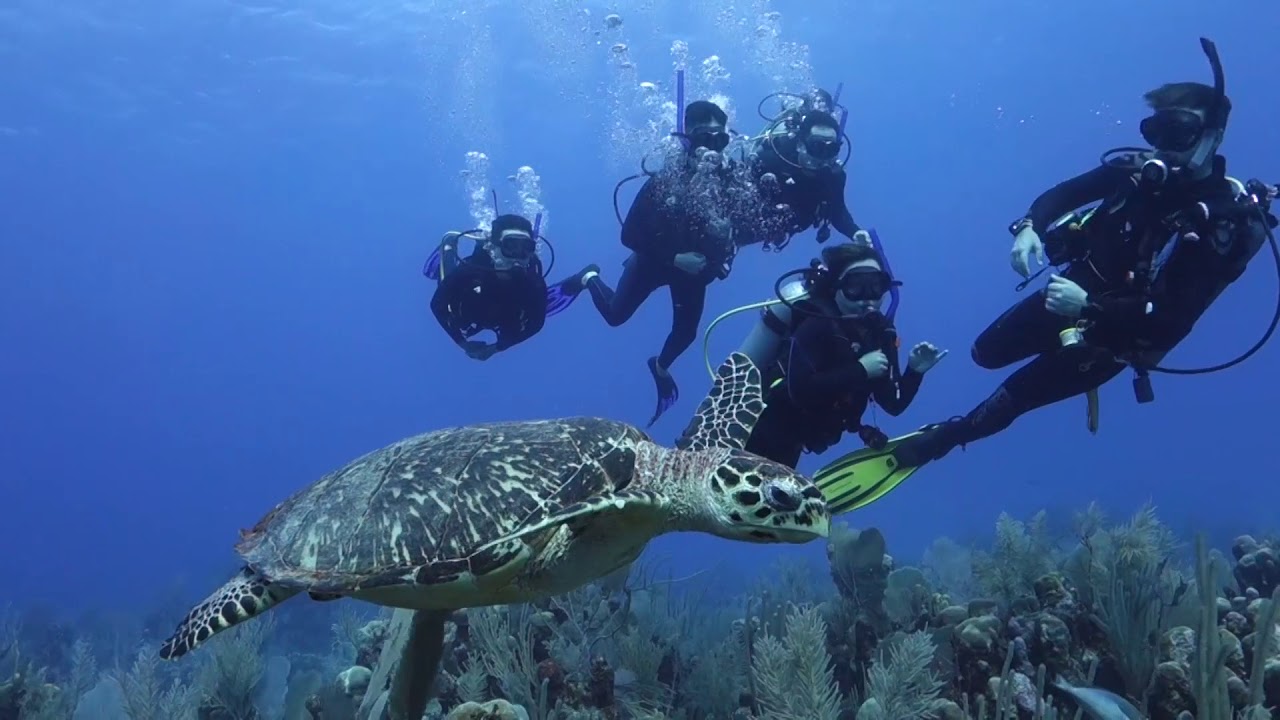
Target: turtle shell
435, 500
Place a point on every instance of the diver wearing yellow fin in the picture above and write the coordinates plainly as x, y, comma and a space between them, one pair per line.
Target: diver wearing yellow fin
1170, 233
828, 352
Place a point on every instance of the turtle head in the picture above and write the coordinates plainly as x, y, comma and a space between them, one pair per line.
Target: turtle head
758, 500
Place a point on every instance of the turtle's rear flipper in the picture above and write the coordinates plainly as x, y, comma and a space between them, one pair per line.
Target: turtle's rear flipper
244, 596
419, 663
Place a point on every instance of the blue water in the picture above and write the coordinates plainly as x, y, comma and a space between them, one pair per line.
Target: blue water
215, 215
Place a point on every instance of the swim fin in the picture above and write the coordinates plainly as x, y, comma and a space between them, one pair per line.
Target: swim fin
668, 393
558, 299
862, 477
431, 269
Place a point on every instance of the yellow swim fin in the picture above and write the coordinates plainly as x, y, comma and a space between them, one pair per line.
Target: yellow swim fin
862, 477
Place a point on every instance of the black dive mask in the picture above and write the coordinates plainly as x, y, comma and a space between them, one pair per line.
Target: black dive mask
713, 138
1172, 130
515, 246
822, 148
865, 284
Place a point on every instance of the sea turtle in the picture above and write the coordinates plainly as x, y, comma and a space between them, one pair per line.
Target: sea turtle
511, 512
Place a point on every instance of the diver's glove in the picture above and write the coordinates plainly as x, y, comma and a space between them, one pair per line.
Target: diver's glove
924, 356
690, 262
477, 350
1064, 297
1026, 243
875, 363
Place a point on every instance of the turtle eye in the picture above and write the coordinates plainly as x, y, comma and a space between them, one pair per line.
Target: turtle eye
780, 499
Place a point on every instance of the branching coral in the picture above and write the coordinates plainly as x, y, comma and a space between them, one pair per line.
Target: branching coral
793, 674
1022, 553
902, 684
145, 694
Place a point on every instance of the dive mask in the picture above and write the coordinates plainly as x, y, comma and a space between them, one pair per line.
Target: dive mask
864, 284
715, 139
516, 246
1172, 129
821, 148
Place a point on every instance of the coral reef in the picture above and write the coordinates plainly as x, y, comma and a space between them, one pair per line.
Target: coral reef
1117, 620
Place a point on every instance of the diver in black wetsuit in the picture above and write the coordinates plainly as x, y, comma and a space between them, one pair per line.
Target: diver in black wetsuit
499, 287
679, 239
1171, 233
835, 354
797, 167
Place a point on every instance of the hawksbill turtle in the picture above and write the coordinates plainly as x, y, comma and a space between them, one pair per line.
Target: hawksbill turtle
510, 512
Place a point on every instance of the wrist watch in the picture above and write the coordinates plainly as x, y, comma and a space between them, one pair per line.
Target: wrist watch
1019, 225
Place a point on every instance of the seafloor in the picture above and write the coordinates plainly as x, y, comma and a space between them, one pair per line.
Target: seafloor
1035, 626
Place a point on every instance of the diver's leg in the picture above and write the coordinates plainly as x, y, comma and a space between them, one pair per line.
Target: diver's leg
1050, 378
688, 299
688, 296
638, 281
1023, 330
774, 438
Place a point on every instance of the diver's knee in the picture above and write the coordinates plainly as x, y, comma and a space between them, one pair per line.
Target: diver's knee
984, 355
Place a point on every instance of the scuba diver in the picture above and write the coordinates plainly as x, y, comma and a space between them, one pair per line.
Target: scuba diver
499, 287
796, 164
829, 352
1169, 233
680, 237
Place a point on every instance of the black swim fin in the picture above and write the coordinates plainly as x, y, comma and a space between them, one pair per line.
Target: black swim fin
862, 477
668, 393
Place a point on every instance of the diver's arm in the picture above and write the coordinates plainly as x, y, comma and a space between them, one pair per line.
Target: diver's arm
1187, 286
642, 230
531, 316
1068, 195
440, 307
810, 386
838, 208
895, 393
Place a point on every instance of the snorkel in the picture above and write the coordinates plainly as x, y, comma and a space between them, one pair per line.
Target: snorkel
1154, 171
684, 139
844, 113
894, 294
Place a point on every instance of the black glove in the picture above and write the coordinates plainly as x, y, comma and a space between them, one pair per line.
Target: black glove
1261, 193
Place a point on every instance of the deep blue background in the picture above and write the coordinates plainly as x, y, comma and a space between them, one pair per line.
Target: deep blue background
214, 217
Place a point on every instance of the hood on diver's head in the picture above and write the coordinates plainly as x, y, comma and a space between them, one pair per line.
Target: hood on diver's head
503, 223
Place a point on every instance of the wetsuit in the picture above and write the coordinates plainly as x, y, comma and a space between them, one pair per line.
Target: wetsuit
656, 231
825, 391
811, 198
473, 297
1138, 317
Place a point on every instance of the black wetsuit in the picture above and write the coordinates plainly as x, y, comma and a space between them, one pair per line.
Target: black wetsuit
473, 297
656, 231
1139, 324
825, 390
811, 198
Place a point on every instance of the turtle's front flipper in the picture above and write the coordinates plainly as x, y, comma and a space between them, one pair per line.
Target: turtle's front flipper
244, 596
419, 663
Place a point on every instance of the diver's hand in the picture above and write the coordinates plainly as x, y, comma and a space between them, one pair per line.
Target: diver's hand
924, 356
1026, 243
1064, 297
862, 237
875, 363
691, 262
477, 350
